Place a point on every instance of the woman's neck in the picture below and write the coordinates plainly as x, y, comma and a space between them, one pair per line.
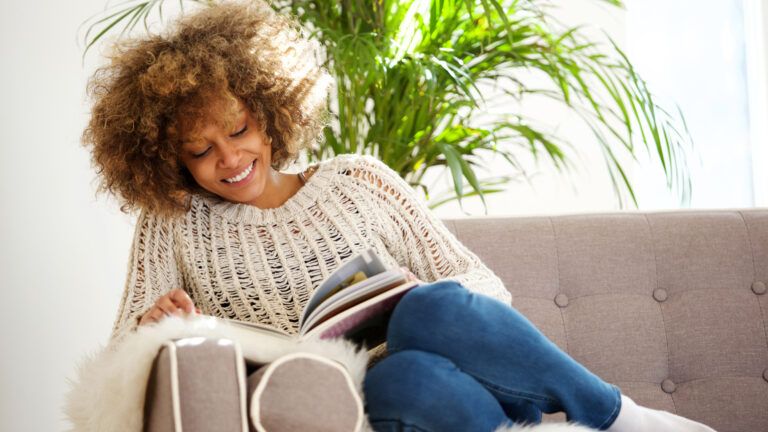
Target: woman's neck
278, 188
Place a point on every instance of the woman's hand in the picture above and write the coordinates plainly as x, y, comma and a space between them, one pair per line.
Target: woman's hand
176, 302
409, 276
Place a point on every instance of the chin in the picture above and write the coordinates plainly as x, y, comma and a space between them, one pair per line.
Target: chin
243, 196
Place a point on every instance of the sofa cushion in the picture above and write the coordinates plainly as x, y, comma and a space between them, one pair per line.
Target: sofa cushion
670, 306
196, 385
304, 391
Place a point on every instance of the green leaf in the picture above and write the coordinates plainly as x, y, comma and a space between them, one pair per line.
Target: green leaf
110, 25
453, 159
409, 79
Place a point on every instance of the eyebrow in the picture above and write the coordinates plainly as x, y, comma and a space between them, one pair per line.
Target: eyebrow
189, 142
237, 121
193, 145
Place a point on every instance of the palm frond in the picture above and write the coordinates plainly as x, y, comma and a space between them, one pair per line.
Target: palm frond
410, 75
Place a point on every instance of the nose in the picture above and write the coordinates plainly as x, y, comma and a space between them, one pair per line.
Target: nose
229, 155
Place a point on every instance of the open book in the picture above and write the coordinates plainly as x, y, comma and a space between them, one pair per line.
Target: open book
355, 302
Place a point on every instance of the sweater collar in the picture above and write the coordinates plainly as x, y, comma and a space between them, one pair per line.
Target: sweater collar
307, 195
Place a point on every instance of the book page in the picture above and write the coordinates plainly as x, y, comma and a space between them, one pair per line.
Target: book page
350, 297
357, 316
367, 262
259, 343
263, 328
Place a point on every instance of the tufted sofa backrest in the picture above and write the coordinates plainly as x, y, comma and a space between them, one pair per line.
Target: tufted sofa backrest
670, 306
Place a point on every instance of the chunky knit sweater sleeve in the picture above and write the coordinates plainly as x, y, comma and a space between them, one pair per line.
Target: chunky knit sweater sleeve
418, 239
152, 272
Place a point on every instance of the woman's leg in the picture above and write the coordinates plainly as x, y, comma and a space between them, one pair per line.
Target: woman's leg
416, 391
514, 361
502, 350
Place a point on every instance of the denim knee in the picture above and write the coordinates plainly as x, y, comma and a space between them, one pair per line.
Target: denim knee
423, 297
419, 391
421, 313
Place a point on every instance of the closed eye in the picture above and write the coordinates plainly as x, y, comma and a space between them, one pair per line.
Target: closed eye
240, 132
199, 155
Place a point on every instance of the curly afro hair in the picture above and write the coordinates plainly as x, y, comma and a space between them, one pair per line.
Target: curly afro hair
156, 88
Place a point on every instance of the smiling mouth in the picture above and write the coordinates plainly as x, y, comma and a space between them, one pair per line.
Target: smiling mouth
240, 177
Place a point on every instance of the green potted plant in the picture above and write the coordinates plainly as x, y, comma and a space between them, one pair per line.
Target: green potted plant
408, 74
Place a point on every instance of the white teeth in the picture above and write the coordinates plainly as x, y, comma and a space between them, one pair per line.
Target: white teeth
240, 176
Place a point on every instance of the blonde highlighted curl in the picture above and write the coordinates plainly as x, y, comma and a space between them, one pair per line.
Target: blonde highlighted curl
157, 88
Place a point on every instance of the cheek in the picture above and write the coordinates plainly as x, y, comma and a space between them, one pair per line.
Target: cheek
203, 173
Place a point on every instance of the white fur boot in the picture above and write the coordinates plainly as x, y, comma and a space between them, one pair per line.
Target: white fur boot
635, 418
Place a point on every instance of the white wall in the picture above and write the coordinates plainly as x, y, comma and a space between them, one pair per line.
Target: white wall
64, 252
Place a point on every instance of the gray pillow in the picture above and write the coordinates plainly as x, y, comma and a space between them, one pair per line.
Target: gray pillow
303, 391
196, 385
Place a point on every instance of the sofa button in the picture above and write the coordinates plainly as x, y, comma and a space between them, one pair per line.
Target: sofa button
765, 374
758, 287
668, 386
660, 294
561, 300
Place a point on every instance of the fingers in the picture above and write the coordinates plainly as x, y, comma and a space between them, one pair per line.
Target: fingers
409, 274
151, 316
181, 299
166, 304
176, 302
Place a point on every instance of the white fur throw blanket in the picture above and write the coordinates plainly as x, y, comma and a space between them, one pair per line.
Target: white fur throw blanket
107, 394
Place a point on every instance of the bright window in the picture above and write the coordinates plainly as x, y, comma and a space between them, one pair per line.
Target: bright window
696, 55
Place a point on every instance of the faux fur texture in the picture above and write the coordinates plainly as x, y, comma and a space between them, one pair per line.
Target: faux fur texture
108, 392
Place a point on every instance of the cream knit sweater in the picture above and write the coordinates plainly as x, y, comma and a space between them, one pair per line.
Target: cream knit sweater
261, 265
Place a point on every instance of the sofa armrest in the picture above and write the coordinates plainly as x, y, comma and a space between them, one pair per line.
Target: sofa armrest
197, 384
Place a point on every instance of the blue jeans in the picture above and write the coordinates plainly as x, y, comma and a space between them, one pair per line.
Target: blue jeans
461, 361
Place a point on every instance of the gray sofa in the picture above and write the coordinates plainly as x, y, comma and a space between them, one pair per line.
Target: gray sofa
669, 306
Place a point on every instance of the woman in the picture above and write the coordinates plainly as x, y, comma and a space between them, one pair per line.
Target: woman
193, 128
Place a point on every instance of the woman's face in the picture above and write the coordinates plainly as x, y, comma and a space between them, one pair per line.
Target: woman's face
233, 163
